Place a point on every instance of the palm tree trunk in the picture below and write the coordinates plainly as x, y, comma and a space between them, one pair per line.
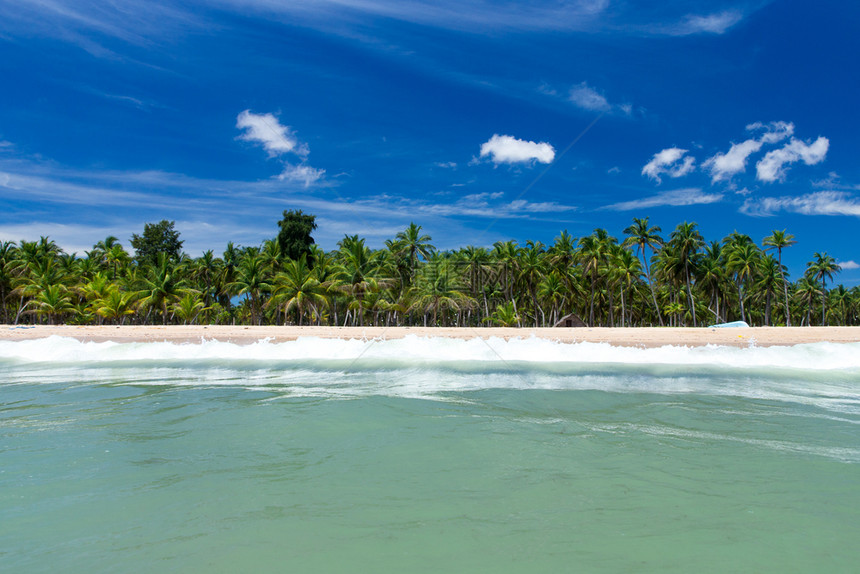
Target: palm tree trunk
622, 305
651, 287
823, 301
690, 293
785, 289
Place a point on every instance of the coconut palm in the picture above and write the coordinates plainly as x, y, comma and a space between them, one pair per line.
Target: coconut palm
438, 288
188, 307
115, 305
296, 287
505, 315
779, 240
742, 260
252, 281
805, 291
52, 301
642, 236
823, 267
413, 244
627, 270
593, 254
687, 239
161, 286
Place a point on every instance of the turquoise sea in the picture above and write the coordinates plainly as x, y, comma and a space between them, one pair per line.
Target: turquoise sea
428, 455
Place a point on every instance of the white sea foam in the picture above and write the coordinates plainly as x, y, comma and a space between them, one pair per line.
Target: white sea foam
823, 375
413, 350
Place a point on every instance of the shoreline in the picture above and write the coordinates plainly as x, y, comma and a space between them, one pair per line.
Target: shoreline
616, 336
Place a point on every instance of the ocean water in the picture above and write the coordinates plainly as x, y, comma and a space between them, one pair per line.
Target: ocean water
428, 455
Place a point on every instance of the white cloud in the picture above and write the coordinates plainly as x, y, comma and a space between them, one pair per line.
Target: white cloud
724, 166
304, 174
670, 161
537, 207
772, 166
716, 23
267, 130
674, 198
845, 265
817, 203
587, 98
278, 139
508, 149
773, 132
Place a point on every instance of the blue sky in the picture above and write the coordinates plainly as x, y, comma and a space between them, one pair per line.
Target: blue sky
480, 121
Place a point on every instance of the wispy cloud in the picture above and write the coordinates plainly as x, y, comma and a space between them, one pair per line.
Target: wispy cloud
674, 198
474, 16
773, 166
816, 203
508, 149
846, 265
671, 161
716, 23
304, 174
588, 98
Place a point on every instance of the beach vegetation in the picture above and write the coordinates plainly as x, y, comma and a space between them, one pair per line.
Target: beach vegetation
640, 280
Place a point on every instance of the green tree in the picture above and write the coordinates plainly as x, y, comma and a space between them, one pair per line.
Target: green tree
296, 288
294, 235
413, 244
823, 267
687, 240
157, 238
642, 236
779, 240
161, 286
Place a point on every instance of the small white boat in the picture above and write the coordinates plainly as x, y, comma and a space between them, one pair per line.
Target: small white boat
734, 324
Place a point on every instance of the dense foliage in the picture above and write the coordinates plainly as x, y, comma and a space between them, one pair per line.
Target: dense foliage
643, 279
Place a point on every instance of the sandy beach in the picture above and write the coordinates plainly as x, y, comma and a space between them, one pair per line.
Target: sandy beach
638, 337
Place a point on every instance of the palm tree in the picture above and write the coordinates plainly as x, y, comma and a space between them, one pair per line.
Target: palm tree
823, 267
115, 305
687, 240
438, 289
7, 255
552, 290
627, 269
742, 261
412, 243
53, 301
296, 288
161, 286
643, 237
805, 291
477, 260
769, 277
531, 269
593, 254
252, 280
505, 315
188, 307
779, 240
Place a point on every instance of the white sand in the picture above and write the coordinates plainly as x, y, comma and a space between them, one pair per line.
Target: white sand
642, 337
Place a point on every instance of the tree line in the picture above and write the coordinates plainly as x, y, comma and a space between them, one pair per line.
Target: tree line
640, 279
